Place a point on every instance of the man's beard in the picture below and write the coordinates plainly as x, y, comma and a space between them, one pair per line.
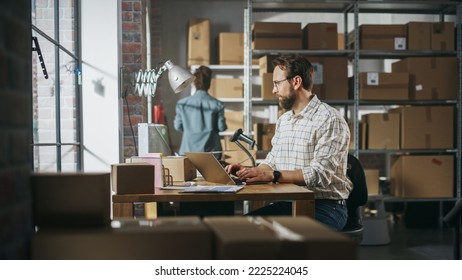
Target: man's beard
288, 102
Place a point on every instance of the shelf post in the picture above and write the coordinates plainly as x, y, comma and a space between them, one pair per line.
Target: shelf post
247, 69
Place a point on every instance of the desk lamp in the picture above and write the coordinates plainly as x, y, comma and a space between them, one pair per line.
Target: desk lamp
146, 84
239, 136
146, 80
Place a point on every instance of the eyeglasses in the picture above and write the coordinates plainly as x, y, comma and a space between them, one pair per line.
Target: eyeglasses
276, 83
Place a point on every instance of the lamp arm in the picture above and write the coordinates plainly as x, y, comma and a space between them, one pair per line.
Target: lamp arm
157, 74
146, 81
247, 152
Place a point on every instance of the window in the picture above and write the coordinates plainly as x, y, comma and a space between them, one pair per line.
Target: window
56, 99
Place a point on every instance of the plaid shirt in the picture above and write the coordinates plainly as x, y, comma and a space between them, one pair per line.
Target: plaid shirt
316, 141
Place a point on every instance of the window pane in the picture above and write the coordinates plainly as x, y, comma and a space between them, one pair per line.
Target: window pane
43, 16
45, 159
66, 25
68, 99
44, 96
69, 159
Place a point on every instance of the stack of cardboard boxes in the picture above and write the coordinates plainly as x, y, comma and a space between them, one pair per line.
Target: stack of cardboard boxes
72, 215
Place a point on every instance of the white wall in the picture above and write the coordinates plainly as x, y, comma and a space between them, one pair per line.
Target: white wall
100, 87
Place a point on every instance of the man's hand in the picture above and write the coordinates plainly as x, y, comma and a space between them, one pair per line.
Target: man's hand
255, 174
233, 168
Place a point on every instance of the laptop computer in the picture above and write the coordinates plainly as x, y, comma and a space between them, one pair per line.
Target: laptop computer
211, 169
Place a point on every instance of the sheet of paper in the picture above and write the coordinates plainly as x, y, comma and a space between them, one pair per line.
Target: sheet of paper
223, 189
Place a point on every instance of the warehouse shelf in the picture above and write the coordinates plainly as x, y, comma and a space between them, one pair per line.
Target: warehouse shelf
409, 151
350, 11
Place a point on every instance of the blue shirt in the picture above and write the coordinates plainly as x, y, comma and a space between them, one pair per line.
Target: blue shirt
200, 118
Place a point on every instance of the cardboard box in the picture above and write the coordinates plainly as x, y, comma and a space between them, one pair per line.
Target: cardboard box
341, 41
226, 88
383, 130
372, 181
264, 133
431, 78
383, 86
419, 35
277, 238
198, 41
277, 43
71, 199
423, 176
180, 168
320, 36
240, 238
267, 86
330, 77
380, 37
442, 36
132, 178
234, 120
277, 35
234, 155
231, 48
426, 127
266, 64
276, 29
153, 159
361, 135
311, 240
166, 238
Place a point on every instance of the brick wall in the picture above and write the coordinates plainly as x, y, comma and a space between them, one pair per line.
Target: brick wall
15, 129
133, 59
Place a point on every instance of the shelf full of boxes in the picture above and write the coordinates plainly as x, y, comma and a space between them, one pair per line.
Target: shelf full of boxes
411, 113
227, 85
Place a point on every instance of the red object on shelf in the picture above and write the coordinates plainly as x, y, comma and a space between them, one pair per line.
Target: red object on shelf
158, 114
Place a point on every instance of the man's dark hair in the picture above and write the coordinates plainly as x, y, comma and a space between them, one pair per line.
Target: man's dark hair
296, 65
203, 77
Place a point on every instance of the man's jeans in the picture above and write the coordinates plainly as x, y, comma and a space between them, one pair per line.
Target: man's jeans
328, 212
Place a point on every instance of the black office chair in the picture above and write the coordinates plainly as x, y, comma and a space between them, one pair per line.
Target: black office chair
356, 199
452, 218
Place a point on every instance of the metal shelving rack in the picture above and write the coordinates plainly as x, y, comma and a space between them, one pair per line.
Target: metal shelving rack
356, 8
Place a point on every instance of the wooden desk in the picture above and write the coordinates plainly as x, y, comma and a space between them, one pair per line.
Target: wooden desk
302, 199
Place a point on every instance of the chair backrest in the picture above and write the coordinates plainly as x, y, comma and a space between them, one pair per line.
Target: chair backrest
358, 196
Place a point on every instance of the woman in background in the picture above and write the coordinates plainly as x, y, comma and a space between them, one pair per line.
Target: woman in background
200, 117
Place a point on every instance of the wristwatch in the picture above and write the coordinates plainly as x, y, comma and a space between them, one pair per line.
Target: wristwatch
276, 176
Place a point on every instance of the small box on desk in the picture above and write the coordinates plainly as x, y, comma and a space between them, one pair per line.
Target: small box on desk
71, 199
180, 168
132, 178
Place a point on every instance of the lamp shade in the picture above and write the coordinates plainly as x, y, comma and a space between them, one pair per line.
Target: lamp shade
178, 77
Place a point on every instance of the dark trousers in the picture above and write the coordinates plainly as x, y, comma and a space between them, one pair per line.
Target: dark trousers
328, 212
